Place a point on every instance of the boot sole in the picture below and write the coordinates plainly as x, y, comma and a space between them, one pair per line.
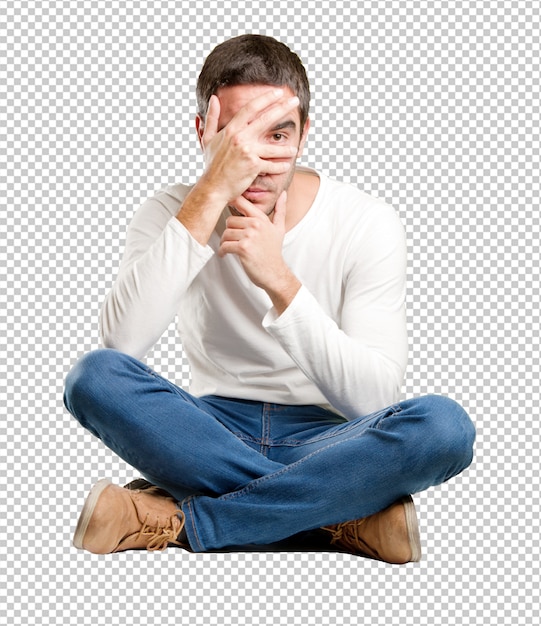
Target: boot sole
412, 525
88, 511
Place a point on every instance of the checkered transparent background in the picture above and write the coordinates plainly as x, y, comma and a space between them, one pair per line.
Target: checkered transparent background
433, 106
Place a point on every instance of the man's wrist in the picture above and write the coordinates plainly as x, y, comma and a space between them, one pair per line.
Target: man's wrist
200, 212
283, 290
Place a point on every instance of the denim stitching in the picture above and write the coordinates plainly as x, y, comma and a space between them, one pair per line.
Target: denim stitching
188, 503
162, 379
255, 483
265, 429
393, 410
388, 412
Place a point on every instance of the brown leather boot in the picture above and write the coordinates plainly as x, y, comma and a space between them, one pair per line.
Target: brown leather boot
392, 535
115, 519
141, 484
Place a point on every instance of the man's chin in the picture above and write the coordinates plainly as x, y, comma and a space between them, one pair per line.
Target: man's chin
268, 210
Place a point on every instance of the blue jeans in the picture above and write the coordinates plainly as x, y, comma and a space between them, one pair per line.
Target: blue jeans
249, 472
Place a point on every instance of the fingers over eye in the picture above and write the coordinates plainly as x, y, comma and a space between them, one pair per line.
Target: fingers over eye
254, 108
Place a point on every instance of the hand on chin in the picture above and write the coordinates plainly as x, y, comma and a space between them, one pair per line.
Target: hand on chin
241, 206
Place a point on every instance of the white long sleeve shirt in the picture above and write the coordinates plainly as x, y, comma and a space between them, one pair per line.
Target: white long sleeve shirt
340, 344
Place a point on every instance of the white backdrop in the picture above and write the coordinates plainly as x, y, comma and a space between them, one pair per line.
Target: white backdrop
433, 106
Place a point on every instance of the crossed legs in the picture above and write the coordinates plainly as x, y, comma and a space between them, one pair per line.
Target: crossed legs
232, 493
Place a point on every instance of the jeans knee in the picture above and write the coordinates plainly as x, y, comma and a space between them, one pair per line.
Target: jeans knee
449, 431
89, 377
457, 433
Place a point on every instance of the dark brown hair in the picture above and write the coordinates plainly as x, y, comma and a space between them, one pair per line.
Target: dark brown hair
252, 60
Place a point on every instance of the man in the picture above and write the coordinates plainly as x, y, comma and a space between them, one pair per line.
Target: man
289, 293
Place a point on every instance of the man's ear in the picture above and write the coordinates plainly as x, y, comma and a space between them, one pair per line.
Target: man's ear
303, 137
200, 129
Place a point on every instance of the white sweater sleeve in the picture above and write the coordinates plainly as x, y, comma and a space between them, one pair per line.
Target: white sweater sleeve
160, 261
358, 363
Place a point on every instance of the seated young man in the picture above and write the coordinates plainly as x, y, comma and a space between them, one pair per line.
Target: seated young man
289, 291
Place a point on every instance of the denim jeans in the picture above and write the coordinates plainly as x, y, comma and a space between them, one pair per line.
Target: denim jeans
249, 472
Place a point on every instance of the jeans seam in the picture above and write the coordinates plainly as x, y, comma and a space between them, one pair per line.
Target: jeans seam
186, 396
393, 410
188, 503
265, 429
161, 379
387, 412
255, 483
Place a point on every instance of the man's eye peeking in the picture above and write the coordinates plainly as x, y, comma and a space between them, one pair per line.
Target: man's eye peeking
278, 136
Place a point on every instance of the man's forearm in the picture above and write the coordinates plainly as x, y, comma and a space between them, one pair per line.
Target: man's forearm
200, 212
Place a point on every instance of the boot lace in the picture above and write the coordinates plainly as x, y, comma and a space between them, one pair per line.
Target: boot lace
159, 537
348, 534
